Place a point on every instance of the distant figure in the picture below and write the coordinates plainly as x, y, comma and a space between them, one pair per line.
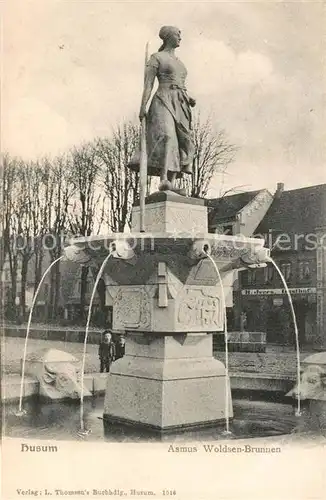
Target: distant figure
243, 322
106, 352
120, 347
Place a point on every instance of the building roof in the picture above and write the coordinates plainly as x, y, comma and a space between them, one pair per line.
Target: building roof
296, 211
227, 207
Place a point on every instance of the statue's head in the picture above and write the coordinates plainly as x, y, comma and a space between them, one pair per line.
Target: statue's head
312, 384
171, 36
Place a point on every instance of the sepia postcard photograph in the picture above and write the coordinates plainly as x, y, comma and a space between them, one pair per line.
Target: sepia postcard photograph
163, 249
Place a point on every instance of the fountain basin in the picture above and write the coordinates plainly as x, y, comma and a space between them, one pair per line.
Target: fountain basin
186, 244
60, 421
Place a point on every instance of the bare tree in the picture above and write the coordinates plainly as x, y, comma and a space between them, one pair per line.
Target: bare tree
121, 185
28, 222
59, 189
42, 213
28, 186
10, 217
213, 154
87, 200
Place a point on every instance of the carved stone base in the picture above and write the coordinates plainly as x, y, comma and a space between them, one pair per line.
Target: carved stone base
167, 382
167, 211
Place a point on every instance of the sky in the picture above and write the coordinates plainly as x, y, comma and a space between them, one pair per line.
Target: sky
72, 70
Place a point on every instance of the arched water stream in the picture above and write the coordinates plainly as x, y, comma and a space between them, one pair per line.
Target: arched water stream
297, 345
83, 430
20, 408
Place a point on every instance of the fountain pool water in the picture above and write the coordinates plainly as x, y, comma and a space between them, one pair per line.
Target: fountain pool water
59, 420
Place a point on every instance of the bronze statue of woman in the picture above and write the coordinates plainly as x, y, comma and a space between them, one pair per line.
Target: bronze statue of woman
170, 148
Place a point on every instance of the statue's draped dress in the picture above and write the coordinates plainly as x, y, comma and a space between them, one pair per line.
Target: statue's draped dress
168, 125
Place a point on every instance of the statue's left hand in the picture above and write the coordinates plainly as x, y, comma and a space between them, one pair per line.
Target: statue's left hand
192, 102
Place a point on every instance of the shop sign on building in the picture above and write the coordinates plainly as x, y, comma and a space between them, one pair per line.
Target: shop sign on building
280, 291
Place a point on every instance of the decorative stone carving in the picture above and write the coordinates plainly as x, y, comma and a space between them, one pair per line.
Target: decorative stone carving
227, 249
131, 309
57, 373
184, 219
235, 248
313, 380
200, 309
172, 217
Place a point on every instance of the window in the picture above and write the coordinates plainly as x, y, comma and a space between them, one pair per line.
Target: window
285, 268
304, 270
251, 276
268, 273
244, 277
87, 286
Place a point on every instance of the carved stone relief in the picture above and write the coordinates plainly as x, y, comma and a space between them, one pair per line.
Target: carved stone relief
200, 309
131, 309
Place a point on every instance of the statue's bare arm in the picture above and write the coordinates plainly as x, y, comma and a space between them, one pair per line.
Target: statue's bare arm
150, 74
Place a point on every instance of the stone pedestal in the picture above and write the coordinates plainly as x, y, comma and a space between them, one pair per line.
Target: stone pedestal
167, 297
165, 286
166, 383
167, 212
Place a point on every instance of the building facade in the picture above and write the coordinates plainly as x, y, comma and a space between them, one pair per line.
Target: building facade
294, 228
321, 284
69, 296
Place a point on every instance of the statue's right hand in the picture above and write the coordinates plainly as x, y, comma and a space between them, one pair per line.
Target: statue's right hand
142, 114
